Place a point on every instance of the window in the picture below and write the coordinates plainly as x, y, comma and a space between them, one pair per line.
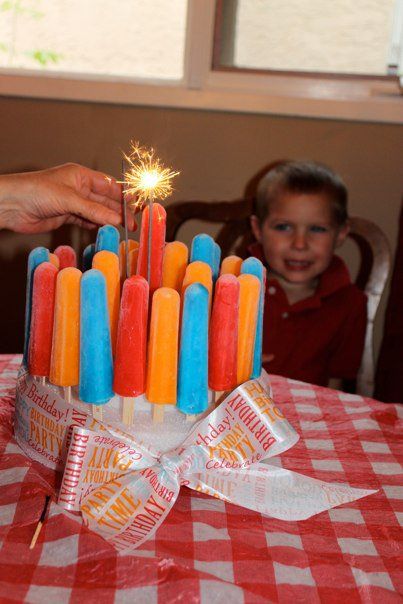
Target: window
314, 58
129, 38
316, 36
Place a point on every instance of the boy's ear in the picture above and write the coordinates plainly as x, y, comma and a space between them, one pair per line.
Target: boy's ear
342, 234
255, 226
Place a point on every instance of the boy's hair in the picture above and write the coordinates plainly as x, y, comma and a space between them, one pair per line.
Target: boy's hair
302, 177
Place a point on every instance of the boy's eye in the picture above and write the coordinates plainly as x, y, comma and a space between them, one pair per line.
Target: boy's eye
282, 226
315, 228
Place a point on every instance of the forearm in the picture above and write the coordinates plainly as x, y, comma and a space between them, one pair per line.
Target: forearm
10, 189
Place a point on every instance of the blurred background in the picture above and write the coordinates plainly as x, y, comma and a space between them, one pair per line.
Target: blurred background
220, 89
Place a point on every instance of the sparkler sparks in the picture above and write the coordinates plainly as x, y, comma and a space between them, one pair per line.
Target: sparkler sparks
146, 178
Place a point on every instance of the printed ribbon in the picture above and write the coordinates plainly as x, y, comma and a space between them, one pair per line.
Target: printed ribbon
125, 491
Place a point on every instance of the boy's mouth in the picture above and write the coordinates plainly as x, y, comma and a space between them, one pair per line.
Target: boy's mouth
297, 265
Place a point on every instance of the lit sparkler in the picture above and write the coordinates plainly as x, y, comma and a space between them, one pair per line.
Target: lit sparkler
146, 179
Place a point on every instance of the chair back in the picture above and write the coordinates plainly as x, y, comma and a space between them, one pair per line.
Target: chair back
371, 278
235, 236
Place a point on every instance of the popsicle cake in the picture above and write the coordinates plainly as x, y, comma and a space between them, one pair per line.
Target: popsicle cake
179, 330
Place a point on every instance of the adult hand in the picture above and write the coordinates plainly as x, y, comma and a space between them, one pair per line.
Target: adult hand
36, 202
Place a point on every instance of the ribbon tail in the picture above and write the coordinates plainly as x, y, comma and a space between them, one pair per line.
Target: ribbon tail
274, 491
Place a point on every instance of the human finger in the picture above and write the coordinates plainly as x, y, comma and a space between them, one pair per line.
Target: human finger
117, 207
103, 184
91, 211
80, 222
105, 200
131, 200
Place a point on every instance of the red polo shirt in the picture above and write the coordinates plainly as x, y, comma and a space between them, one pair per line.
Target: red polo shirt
318, 338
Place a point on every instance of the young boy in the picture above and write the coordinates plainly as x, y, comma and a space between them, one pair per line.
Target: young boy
315, 318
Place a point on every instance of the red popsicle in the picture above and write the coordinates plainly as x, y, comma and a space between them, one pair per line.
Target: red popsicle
131, 345
159, 218
43, 303
224, 334
66, 255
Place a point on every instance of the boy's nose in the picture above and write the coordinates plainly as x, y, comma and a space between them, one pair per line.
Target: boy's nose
300, 241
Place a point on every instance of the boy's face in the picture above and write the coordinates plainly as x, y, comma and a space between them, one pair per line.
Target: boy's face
299, 236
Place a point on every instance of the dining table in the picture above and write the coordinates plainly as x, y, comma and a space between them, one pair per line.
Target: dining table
211, 551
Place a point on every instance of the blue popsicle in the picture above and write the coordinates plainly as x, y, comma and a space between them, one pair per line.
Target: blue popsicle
108, 238
35, 258
193, 356
96, 368
88, 254
204, 248
253, 266
217, 261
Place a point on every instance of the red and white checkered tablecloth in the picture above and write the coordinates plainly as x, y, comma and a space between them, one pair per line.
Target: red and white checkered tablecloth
209, 551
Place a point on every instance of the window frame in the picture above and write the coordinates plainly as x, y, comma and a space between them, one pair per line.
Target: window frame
358, 98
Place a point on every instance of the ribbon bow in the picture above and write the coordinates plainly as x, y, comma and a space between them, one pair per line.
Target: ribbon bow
125, 491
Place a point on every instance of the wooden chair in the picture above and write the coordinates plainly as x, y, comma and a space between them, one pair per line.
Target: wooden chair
235, 236
371, 278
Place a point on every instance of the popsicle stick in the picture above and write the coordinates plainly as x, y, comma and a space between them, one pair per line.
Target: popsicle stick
40, 523
36, 535
158, 414
42, 380
127, 410
67, 394
150, 236
217, 396
191, 418
97, 412
127, 267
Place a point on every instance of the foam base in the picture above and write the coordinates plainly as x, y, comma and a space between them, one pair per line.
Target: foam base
156, 436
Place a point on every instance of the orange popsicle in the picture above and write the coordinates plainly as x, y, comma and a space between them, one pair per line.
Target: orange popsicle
133, 257
198, 272
248, 311
174, 263
231, 265
163, 347
43, 302
66, 255
66, 329
108, 263
53, 259
159, 217
133, 245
